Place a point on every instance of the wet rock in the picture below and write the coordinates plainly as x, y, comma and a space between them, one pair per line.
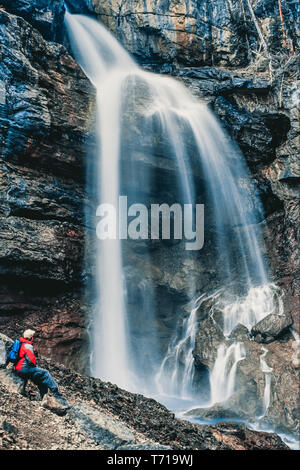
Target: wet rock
53, 115
45, 122
208, 339
214, 412
271, 328
235, 435
104, 430
257, 133
247, 400
239, 333
44, 250
39, 196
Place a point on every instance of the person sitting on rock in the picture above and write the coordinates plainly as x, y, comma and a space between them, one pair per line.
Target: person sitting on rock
26, 369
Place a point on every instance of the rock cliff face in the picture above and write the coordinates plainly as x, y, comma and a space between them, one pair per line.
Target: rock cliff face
45, 110
46, 105
45, 15
191, 33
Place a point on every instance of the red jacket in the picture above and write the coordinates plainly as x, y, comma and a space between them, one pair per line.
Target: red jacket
27, 356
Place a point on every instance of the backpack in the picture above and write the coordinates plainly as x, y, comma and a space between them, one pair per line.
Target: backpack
14, 352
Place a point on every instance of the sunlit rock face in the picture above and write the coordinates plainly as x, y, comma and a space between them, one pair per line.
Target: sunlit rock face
192, 32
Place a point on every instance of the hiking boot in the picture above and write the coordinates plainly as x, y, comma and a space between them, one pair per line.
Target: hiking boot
22, 389
62, 400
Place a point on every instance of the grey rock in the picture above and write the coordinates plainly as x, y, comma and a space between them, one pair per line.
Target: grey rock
239, 333
270, 328
108, 432
10, 380
5, 344
2, 353
45, 15
213, 412
8, 427
6, 340
144, 447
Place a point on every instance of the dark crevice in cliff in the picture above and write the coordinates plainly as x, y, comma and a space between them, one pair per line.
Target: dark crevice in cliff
38, 215
31, 287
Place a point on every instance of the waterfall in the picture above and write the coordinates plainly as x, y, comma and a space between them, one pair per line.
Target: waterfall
130, 104
222, 377
107, 65
267, 371
176, 373
259, 302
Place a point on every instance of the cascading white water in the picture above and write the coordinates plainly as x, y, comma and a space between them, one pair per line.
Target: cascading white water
267, 371
259, 302
106, 64
183, 121
176, 373
222, 377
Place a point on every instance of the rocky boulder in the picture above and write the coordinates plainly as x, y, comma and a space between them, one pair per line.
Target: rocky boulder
45, 103
271, 328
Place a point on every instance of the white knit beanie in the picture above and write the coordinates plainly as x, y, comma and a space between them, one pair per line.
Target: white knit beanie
28, 334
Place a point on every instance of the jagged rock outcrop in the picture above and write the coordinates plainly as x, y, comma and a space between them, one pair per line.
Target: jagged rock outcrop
45, 15
271, 328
